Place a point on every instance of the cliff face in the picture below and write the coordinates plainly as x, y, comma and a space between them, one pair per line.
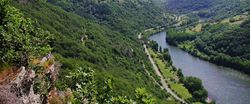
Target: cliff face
20, 85
8, 96
20, 90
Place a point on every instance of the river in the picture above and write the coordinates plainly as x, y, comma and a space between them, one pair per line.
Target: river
225, 85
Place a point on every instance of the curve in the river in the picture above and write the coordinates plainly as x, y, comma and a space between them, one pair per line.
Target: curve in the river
225, 85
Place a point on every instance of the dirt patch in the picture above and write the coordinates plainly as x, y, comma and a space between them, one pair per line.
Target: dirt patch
8, 74
59, 97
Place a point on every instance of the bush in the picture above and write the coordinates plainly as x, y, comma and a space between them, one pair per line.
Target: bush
20, 40
195, 87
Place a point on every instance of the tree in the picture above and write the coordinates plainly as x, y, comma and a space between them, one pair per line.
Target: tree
86, 89
154, 45
83, 84
160, 49
192, 83
180, 75
200, 95
166, 56
20, 41
195, 87
143, 97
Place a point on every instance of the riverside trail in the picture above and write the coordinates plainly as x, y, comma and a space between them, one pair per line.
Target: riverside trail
164, 85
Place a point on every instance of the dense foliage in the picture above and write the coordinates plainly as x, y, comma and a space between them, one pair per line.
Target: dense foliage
81, 42
20, 40
126, 16
223, 40
166, 56
175, 36
154, 45
220, 43
212, 9
229, 47
87, 91
194, 85
188, 5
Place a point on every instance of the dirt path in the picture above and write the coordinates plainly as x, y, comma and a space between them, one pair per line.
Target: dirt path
157, 70
164, 84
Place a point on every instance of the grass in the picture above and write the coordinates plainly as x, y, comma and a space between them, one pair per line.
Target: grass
165, 70
180, 90
238, 19
168, 74
197, 28
161, 65
190, 32
152, 53
4, 66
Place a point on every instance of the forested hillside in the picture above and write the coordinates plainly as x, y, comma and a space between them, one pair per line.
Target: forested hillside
95, 47
184, 6
223, 39
209, 9
229, 47
97, 51
125, 16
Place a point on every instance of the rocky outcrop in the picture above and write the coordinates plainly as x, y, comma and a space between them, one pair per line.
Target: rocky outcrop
20, 88
8, 95
24, 83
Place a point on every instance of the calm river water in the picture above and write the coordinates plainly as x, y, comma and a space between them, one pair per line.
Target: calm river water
224, 85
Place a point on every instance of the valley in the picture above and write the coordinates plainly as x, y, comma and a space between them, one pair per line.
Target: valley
124, 51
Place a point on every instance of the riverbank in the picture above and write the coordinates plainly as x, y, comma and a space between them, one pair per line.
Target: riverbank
162, 79
144, 35
222, 43
174, 77
168, 74
224, 85
219, 59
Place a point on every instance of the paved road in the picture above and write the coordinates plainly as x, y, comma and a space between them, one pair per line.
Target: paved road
164, 84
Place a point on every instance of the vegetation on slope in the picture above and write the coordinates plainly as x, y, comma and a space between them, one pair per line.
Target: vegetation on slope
212, 9
128, 16
184, 6
224, 43
21, 42
83, 43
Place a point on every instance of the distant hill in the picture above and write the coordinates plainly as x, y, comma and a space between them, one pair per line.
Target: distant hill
188, 5
215, 9
127, 16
